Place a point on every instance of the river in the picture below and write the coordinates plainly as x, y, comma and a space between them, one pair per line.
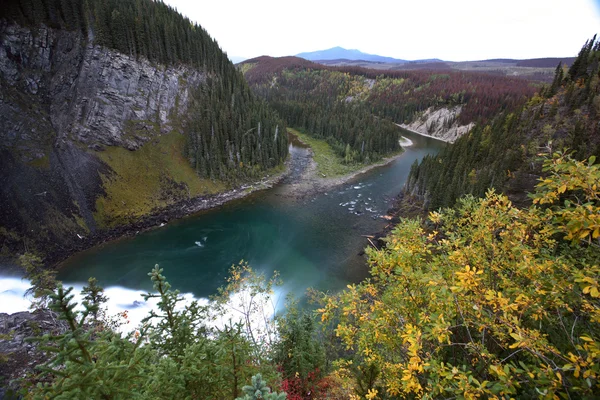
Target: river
313, 241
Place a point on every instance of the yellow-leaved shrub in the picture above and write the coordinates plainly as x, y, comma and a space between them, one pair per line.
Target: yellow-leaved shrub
486, 300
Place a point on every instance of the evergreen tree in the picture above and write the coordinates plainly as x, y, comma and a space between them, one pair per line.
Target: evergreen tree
43, 280
298, 354
259, 390
94, 296
153, 30
86, 363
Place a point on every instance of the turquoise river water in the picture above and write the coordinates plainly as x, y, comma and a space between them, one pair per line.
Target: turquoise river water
313, 241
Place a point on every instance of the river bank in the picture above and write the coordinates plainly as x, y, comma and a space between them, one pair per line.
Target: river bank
312, 182
299, 179
161, 217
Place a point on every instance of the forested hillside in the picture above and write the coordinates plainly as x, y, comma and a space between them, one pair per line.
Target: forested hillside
503, 153
353, 106
114, 110
321, 102
154, 31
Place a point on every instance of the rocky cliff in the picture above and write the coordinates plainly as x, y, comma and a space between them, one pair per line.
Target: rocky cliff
80, 126
439, 123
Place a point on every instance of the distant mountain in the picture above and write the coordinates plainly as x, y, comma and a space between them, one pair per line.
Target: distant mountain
546, 62
339, 53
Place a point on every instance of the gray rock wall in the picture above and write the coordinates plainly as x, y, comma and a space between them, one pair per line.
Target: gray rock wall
439, 123
93, 95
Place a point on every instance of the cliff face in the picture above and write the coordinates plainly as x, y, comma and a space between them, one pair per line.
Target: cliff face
440, 124
92, 93
63, 104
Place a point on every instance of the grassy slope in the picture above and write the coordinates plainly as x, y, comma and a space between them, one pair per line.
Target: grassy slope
152, 177
328, 163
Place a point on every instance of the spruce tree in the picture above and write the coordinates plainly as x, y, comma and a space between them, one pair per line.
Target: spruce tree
259, 390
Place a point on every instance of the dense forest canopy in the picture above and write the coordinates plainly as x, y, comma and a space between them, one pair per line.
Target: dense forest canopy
320, 102
398, 95
355, 108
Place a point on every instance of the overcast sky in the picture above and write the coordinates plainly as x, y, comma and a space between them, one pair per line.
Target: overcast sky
453, 30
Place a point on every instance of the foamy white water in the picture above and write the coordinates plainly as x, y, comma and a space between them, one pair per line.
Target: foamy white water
405, 142
124, 300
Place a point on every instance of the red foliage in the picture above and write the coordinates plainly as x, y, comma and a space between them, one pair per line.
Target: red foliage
483, 95
268, 66
311, 387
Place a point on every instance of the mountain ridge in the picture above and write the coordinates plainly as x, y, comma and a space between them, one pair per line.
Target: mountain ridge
337, 53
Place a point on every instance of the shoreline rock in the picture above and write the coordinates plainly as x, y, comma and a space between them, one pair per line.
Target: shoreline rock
439, 124
19, 356
310, 183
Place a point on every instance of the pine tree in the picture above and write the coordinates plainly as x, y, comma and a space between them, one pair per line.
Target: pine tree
173, 329
259, 390
95, 298
43, 280
86, 363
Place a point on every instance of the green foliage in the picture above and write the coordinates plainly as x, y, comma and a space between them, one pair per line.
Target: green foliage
139, 28
577, 218
93, 295
489, 301
135, 189
353, 108
235, 139
321, 103
329, 163
181, 357
175, 327
259, 390
86, 363
298, 353
482, 301
43, 280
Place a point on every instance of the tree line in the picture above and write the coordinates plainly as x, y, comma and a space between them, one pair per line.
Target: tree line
139, 28
319, 101
353, 108
503, 154
399, 94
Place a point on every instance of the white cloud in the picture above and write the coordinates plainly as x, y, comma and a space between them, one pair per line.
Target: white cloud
451, 30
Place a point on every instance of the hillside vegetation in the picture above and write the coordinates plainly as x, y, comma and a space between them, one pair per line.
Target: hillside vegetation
397, 95
503, 153
217, 147
355, 108
114, 110
485, 298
